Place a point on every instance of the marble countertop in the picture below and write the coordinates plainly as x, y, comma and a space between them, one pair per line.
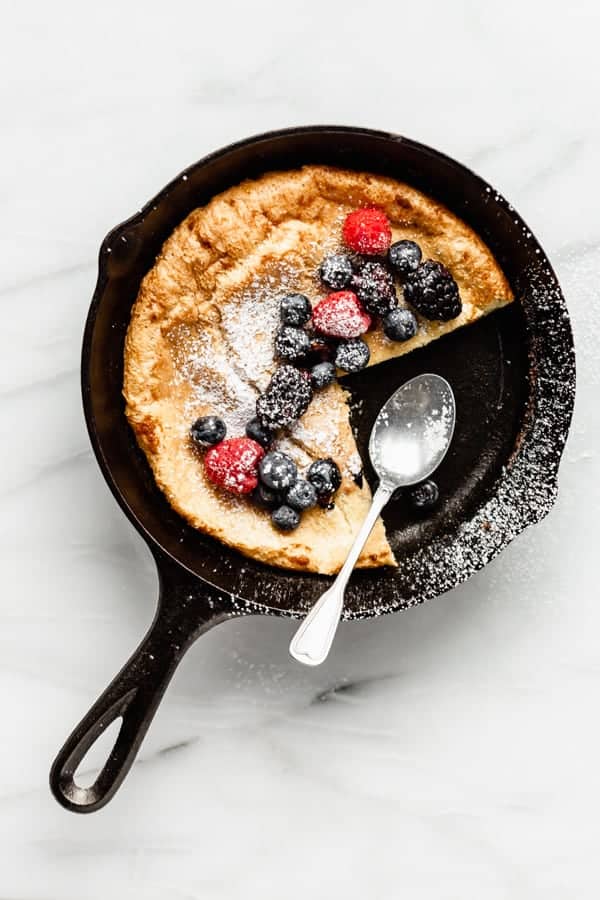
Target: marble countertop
450, 752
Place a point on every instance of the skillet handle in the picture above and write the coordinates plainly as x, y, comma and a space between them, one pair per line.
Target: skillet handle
185, 610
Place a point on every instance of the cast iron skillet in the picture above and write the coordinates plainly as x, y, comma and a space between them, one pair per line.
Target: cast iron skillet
513, 375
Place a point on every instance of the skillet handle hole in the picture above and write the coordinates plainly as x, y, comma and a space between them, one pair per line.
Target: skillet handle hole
87, 772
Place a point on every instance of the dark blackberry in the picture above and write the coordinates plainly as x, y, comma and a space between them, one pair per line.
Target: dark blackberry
302, 495
259, 433
374, 287
404, 257
322, 374
352, 356
277, 471
425, 496
208, 430
399, 324
325, 477
285, 400
285, 518
433, 292
266, 498
295, 309
291, 343
336, 271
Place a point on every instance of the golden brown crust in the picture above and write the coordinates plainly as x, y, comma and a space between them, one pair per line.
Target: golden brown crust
200, 340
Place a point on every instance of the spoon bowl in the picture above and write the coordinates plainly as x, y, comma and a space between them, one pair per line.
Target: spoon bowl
412, 431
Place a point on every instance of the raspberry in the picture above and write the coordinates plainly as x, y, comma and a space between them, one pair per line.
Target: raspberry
341, 315
367, 231
233, 464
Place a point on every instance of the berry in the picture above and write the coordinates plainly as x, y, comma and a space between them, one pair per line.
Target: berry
375, 288
208, 430
278, 471
295, 309
404, 257
265, 498
400, 324
322, 374
291, 343
367, 231
341, 315
302, 495
233, 464
425, 495
258, 433
336, 271
352, 356
433, 292
325, 477
285, 518
285, 400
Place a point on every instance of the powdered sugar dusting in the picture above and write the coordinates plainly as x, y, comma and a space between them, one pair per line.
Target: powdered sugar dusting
250, 321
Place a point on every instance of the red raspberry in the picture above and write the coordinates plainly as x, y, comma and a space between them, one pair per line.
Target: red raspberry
367, 231
233, 464
341, 315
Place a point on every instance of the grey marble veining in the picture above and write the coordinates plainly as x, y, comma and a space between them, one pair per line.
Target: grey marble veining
449, 752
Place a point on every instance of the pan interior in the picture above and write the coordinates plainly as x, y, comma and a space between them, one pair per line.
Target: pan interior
486, 364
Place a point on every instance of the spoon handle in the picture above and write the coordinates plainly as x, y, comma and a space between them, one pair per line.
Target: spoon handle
312, 642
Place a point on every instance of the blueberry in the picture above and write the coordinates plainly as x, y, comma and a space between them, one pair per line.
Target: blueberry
404, 257
325, 477
425, 495
277, 471
291, 343
208, 430
322, 374
374, 287
285, 518
336, 271
302, 495
352, 356
400, 325
265, 498
258, 433
295, 309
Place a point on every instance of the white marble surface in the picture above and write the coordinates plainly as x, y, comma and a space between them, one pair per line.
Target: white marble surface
462, 762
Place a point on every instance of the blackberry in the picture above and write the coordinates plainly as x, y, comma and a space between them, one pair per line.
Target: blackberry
291, 343
277, 471
325, 477
302, 495
208, 430
399, 325
295, 309
425, 496
285, 400
266, 498
259, 433
404, 257
336, 271
433, 292
352, 356
285, 518
322, 374
374, 287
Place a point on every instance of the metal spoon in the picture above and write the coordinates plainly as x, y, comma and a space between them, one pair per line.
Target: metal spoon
409, 439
